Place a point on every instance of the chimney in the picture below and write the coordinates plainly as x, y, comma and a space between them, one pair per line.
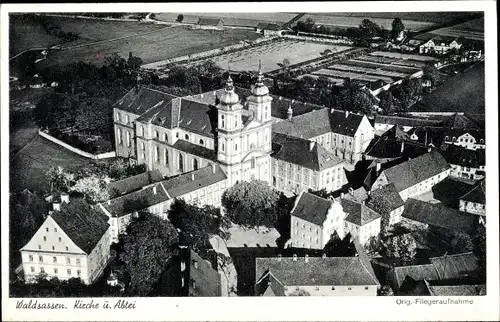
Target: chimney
306, 258
294, 257
324, 255
402, 146
289, 113
192, 176
64, 198
154, 190
346, 114
56, 206
311, 145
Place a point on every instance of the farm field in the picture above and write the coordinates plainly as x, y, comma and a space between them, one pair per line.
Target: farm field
461, 93
169, 42
436, 17
28, 168
345, 21
472, 30
404, 56
272, 54
19, 29
352, 75
245, 19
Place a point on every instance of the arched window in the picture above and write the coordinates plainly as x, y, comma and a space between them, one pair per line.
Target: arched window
165, 137
128, 139
195, 164
222, 147
143, 146
177, 135
119, 134
454, 139
235, 123
201, 142
236, 147
157, 154
126, 119
181, 163
165, 155
118, 117
481, 141
446, 138
156, 134
186, 137
252, 146
141, 130
222, 121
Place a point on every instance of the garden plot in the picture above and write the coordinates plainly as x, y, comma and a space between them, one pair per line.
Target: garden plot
273, 53
473, 30
393, 61
385, 67
333, 80
352, 76
368, 71
404, 56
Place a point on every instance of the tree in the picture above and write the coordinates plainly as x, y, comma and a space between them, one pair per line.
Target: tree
368, 29
373, 245
386, 290
180, 18
432, 73
479, 249
400, 249
387, 103
251, 204
59, 178
93, 188
197, 224
337, 247
461, 243
397, 28
382, 207
147, 247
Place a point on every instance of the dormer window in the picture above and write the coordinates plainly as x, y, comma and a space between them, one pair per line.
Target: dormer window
186, 137
201, 142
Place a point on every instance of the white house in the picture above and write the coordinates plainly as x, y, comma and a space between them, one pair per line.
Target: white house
313, 220
73, 242
388, 198
361, 221
439, 45
474, 201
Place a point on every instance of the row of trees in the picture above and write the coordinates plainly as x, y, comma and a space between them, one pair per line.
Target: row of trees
363, 35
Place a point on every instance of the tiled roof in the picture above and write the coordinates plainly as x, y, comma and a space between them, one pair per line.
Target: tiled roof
416, 170
206, 279
358, 195
140, 99
84, 226
194, 180
456, 290
268, 26
209, 21
455, 266
383, 147
415, 272
358, 213
198, 117
387, 195
428, 134
320, 122
127, 185
437, 215
195, 149
297, 151
372, 174
406, 121
136, 201
311, 208
317, 271
477, 194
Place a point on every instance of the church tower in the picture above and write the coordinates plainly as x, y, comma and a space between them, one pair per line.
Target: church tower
244, 139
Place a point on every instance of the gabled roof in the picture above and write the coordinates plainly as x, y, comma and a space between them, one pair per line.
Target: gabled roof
297, 151
85, 227
209, 21
127, 185
317, 271
414, 272
193, 180
454, 266
136, 201
195, 149
206, 279
477, 194
416, 170
456, 290
437, 215
311, 208
385, 147
141, 99
458, 155
387, 195
358, 213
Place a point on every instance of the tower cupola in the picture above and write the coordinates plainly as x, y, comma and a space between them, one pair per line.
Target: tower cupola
259, 89
229, 97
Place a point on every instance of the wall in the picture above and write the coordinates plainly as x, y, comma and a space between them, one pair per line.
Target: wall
106, 155
424, 186
98, 258
304, 234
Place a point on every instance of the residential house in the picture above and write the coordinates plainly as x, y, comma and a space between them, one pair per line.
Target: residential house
315, 276
415, 176
73, 242
387, 198
360, 221
268, 29
209, 23
188, 274
470, 139
451, 267
344, 134
313, 220
474, 201
425, 215
440, 45
300, 164
133, 183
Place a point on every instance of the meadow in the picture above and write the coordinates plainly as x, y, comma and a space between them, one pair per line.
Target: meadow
244, 19
473, 30
273, 53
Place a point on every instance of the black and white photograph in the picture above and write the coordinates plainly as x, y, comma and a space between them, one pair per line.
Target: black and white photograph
246, 154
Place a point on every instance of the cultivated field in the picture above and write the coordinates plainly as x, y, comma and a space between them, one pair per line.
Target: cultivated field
461, 93
245, 19
473, 30
273, 53
345, 21
436, 17
26, 34
28, 167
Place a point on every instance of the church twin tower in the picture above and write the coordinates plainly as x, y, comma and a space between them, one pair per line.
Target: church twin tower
244, 135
